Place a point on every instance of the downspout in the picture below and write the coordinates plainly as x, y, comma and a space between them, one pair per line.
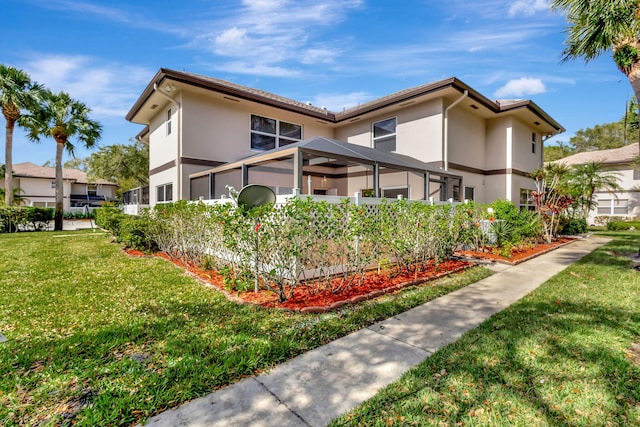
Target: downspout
445, 134
179, 137
542, 141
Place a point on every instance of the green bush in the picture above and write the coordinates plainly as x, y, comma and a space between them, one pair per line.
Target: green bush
523, 224
622, 225
133, 232
24, 218
109, 218
573, 226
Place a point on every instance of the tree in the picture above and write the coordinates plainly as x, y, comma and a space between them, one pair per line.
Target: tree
63, 119
17, 93
551, 197
126, 165
603, 137
599, 26
556, 152
584, 180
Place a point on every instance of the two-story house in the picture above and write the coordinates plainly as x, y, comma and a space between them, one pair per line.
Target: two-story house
442, 140
38, 187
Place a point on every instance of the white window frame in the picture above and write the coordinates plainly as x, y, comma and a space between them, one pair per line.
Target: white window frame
534, 140
169, 114
607, 207
277, 135
164, 193
375, 139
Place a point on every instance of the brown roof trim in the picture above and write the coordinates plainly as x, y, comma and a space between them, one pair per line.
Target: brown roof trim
230, 89
526, 103
267, 98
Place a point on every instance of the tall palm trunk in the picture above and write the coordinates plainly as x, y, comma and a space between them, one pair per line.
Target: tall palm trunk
59, 188
8, 164
11, 114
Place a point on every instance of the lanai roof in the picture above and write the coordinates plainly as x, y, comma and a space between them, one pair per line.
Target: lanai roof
321, 147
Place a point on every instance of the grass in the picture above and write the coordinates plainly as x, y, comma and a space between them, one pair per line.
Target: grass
564, 355
100, 338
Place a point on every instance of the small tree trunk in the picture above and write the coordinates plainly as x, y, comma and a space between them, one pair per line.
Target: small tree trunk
59, 188
8, 163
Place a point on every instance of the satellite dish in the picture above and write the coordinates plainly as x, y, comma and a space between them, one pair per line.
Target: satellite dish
255, 195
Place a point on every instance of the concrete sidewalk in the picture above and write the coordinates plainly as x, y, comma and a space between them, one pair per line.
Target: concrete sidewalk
316, 387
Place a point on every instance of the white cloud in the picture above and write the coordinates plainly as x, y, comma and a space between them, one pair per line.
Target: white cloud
521, 87
269, 33
528, 7
108, 88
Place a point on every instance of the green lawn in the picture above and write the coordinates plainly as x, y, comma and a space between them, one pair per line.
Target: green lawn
99, 338
564, 355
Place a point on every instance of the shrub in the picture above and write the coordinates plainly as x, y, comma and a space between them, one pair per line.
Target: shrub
622, 225
572, 226
109, 218
24, 218
134, 232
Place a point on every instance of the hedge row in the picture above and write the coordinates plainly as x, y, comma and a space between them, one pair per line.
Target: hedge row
24, 218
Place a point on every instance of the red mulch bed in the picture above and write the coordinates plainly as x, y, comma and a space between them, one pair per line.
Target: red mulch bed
519, 254
308, 299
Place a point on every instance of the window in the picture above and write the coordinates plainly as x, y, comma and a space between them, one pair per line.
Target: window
267, 134
533, 143
169, 121
53, 184
164, 193
393, 193
469, 193
384, 135
92, 189
613, 207
526, 200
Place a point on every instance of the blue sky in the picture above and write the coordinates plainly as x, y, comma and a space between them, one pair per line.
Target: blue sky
329, 52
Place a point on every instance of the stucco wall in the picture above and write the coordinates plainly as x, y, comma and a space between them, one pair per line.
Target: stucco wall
467, 136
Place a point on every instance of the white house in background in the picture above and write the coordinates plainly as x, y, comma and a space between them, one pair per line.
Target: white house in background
624, 203
462, 144
39, 187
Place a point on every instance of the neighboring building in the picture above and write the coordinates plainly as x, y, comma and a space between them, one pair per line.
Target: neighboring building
624, 203
196, 125
39, 187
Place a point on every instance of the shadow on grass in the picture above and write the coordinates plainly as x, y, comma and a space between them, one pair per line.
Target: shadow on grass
167, 352
557, 357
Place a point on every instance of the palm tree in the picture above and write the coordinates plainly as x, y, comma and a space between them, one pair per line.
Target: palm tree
62, 118
586, 179
17, 92
599, 26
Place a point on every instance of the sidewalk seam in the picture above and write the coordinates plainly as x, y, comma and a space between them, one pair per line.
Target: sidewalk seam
298, 416
429, 353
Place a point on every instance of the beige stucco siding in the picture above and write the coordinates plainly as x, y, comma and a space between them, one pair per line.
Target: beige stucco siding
219, 129
466, 138
498, 135
523, 157
418, 130
162, 148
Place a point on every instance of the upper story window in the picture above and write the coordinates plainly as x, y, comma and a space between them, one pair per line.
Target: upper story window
267, 134
92, 189
384, 135
533, 143
169, 121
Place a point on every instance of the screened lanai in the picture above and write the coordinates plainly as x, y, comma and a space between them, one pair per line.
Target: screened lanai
324, 166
